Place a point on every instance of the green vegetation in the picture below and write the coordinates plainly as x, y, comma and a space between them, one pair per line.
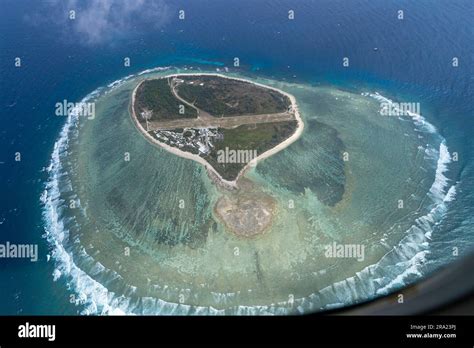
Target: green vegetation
156, 96
227, 144
260, 138
226, 97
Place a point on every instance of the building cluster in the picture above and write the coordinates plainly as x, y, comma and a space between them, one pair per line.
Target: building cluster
199, 139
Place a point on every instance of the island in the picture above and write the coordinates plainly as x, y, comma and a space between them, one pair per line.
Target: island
225, 123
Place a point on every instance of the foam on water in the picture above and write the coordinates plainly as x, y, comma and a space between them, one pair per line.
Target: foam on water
439, 185
419, 120
148, 71
91, 295
56, 233
406, 260
403, 261
119, 82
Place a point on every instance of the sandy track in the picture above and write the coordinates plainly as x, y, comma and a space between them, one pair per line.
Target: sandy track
223, 122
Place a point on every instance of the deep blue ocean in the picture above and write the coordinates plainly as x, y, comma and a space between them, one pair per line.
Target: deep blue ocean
67, 59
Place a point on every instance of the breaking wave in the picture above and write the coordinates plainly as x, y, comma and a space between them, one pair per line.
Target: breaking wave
405, 261
377, 279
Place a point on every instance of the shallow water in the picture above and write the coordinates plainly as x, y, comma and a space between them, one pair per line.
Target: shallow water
135, 250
